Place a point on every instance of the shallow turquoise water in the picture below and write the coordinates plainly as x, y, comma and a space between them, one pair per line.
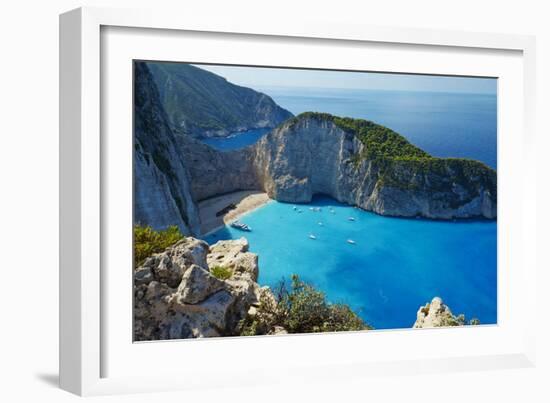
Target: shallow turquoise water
395, 266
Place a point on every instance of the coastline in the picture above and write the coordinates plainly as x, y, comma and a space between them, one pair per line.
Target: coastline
245, 201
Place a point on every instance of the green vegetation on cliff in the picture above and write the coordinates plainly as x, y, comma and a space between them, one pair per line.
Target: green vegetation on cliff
402, 164
148, 241
220, 272
302, 309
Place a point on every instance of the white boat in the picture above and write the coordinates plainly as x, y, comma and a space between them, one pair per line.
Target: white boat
351, 241
320, 223
351, 219
332, 211
294, 208
311, 236
311, 208
241, 226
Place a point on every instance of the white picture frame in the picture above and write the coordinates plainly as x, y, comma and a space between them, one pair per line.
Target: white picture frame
87, 344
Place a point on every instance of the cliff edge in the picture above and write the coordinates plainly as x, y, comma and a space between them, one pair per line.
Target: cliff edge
361, 163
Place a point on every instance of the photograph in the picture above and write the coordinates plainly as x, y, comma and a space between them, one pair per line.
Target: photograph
270, 200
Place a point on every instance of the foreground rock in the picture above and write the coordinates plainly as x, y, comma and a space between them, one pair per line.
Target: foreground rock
234, 255
437, 314
177, 297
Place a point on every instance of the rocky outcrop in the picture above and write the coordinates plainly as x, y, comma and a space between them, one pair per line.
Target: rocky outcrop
202, 104
176, 296
437, 314
234, 255
367, 165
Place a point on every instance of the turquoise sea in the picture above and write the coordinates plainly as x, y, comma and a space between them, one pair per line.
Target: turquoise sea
396, 265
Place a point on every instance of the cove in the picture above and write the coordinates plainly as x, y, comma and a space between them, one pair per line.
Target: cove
235, 141
395, 266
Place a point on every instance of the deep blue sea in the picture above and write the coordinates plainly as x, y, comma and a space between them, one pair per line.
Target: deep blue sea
443, 124
236, 140
396, 265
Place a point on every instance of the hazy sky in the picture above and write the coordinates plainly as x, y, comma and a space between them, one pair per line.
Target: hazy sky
258, 78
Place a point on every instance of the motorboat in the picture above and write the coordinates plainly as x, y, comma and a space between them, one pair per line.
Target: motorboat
351, 219
351, 241
241, 226
311, 236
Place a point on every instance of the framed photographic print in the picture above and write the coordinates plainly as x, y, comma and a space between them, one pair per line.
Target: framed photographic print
338, 198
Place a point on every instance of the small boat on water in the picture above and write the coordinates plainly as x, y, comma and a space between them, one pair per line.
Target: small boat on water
351, 219
351, 241
294, 208
332, 211
241, 226
320, 223
311, 236
311, 208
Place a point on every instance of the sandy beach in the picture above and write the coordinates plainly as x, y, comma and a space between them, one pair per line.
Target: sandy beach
245, 201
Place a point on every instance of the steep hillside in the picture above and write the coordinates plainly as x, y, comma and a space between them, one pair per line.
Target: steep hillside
203, 104
162, 195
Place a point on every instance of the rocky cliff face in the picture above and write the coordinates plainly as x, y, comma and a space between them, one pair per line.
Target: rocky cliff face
213, 173
355, 161
162, 191
176, 296
202, 104
364, 164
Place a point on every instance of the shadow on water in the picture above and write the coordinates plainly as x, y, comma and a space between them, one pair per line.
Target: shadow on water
220, 235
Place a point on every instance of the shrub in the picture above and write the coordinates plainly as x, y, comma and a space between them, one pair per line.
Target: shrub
148, 241
302, 309
223, 273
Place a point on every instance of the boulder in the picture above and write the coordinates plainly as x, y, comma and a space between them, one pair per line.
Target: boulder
196, 285
234, 255
169, 266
